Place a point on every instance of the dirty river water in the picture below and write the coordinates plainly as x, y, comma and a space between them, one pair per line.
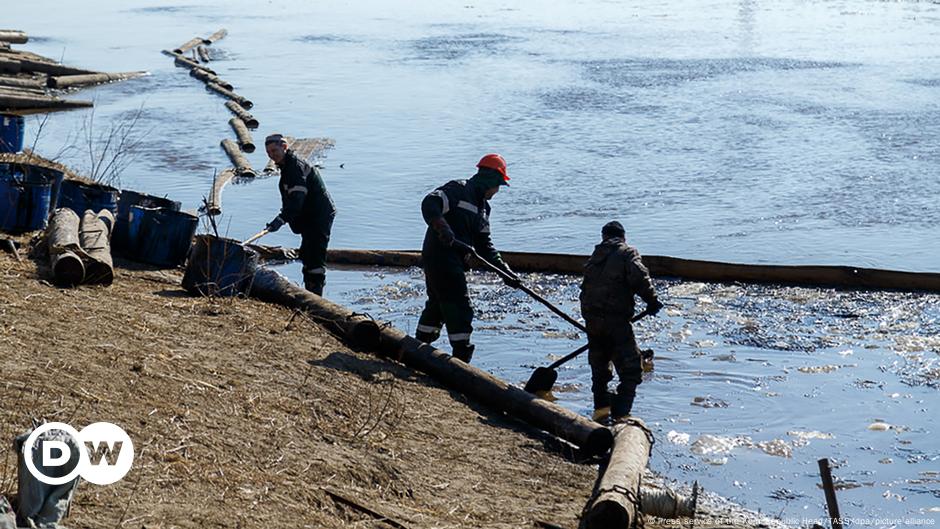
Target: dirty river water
789, 132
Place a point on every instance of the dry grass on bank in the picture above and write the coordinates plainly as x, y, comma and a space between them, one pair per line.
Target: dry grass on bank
244, 416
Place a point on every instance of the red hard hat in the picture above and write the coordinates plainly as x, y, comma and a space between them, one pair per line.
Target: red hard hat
495, 162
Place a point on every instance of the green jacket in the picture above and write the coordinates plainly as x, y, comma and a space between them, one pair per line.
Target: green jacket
612, 277
305, 202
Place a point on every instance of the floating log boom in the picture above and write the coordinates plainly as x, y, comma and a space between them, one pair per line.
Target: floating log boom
245, 143
242, 167
242, 114
207, 77
245, 103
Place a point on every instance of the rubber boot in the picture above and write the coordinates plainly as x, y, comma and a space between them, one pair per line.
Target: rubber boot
427, 337
463, 351
314, 283
622, 403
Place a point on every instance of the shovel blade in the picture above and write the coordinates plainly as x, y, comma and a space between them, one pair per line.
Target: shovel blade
542, 380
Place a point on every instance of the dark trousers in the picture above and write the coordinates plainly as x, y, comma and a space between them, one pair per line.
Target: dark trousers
448, 304
313, 244
611, 341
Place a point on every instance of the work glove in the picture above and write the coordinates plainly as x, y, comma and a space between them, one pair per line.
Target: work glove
511, 279
275, 224
443, 231
654, 307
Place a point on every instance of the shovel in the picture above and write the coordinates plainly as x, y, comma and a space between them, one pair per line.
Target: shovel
255, 237
543, 378
527, 290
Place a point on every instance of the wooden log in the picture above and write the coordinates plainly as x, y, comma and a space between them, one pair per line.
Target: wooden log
221, 90
207, 77
65, 250
203, 54
182, 60
71, 81
215, 37
8, 65
13, 36
616, 500
51, 68
21, 82
214, 203
189, 44
21, 90
242, 167
245, 143
483, 387
95, 235
242, 114
358, 330
10, 100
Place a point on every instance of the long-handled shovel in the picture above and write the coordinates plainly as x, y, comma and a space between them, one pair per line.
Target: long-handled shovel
255, 237
543, 378
527, 290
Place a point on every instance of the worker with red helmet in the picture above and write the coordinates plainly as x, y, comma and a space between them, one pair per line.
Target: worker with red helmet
458, 211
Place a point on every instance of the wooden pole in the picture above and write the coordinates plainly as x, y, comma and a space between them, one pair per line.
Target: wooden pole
207, 77
70, 81
31, 101
20, 82
245, 142
65, 250
242, 167
242, 114
215, 37
829, 488
245, 103
95, 234
481, 386
188, 45
616, 501
13, 36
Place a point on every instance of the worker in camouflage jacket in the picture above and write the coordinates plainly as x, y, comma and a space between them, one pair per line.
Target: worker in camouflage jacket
306, 207
457, 214
612, 277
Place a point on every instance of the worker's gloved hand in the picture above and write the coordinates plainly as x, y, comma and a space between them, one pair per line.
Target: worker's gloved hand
443, 231
654, 307
275, 224
511, 279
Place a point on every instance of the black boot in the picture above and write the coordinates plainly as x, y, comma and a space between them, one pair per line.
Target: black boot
314, 283
463, 351
622, 403
427, 337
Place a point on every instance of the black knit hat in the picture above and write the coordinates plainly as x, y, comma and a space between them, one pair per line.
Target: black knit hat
613, 229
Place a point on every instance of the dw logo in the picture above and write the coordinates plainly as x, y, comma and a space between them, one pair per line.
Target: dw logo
104, 450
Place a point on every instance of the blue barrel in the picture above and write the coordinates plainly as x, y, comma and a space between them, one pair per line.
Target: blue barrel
160, 236
219, 267
79, 196
24, 203
11, 133
120, 239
